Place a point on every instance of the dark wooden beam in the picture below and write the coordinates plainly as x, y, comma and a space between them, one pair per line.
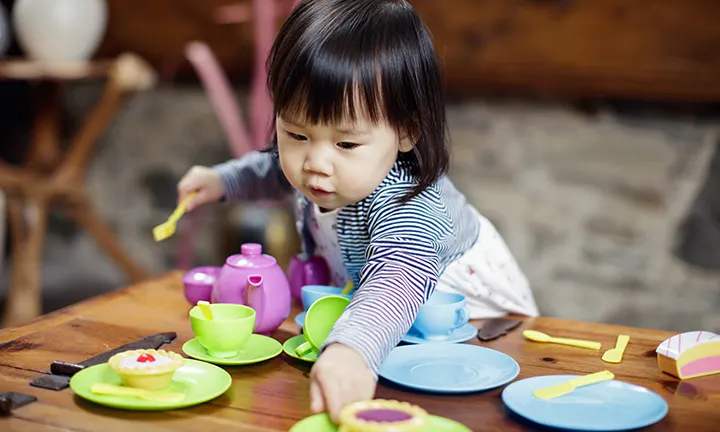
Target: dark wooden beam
641, 49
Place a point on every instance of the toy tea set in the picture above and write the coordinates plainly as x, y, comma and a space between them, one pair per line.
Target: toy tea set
238, 305
232, 332
597, 401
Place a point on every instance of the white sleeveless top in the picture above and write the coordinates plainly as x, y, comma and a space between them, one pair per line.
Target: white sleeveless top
324, 232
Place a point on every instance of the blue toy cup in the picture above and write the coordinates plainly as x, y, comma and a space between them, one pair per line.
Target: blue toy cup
441, 315
309, 294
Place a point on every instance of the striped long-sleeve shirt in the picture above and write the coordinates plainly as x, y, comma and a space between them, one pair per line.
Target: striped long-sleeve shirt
394, 252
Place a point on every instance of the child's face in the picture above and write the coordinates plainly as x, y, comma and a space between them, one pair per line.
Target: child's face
336, 165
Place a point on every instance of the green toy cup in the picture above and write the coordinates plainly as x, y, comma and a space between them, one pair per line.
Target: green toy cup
319, 321
227, 332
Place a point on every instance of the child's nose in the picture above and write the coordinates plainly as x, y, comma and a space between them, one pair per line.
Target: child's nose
316, 163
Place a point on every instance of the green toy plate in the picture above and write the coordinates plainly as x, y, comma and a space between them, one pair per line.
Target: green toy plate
291, 344
199, 381
258, 348
322, 423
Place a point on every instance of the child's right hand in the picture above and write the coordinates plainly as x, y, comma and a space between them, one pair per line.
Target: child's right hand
203, 180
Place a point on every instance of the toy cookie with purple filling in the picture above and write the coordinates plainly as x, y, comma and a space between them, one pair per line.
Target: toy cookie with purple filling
689, 355
147, 369
382, 416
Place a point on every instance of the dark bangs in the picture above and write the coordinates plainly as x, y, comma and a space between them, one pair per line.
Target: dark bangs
336, 59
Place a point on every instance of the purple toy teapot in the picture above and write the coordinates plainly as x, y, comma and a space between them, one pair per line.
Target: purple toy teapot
304, 270
254, 279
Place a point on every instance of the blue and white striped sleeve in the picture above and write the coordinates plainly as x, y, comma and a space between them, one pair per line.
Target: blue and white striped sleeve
254, 177
401, 272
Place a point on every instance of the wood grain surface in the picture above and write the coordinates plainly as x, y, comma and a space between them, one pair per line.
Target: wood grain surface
273, 395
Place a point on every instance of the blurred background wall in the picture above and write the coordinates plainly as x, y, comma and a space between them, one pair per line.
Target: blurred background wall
588, 131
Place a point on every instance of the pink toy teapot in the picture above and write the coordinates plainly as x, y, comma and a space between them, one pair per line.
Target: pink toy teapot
304, 270
255, 279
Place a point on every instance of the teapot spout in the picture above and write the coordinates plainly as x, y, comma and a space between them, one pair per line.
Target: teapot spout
256, 297
255, 282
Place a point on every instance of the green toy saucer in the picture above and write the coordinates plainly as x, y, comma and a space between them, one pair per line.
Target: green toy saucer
291, 344
322, 423
258, 348
199, 381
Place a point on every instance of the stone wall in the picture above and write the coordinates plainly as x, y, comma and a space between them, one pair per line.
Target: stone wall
590, 203
591, 206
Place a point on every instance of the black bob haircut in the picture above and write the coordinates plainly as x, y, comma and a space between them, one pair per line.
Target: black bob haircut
331, 55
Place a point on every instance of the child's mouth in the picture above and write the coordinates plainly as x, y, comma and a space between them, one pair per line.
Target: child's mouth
320, 193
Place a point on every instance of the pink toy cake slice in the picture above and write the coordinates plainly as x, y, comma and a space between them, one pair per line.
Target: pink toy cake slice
689, 355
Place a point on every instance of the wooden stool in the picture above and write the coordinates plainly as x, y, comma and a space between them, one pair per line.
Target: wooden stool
50, 177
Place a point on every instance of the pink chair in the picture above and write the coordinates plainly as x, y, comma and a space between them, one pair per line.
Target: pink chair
263, 14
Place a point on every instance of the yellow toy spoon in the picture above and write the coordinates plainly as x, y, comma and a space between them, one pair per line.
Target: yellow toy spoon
167, 229
615, 355
537, 336
348, 287
205, 309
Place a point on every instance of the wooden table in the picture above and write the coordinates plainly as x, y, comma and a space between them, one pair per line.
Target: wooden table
51, 178
273, 395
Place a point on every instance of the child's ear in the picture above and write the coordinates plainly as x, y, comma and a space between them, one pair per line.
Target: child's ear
406, 143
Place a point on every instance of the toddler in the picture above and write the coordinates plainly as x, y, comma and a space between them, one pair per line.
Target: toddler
360, 144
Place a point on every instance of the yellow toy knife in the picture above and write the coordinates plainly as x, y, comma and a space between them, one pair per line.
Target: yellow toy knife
150, 395
568, 386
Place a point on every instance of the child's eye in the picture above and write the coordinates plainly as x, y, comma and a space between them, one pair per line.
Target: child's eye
346, 145
296, 136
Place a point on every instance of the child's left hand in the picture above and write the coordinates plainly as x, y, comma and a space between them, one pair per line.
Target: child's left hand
338, 378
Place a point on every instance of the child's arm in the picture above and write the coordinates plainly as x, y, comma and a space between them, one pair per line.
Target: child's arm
401, 273
255, 176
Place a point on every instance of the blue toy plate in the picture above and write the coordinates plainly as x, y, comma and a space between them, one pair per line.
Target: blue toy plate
448, 367
300, 319
464, 333
605, 406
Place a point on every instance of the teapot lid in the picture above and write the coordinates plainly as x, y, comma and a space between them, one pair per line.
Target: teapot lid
251, 256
